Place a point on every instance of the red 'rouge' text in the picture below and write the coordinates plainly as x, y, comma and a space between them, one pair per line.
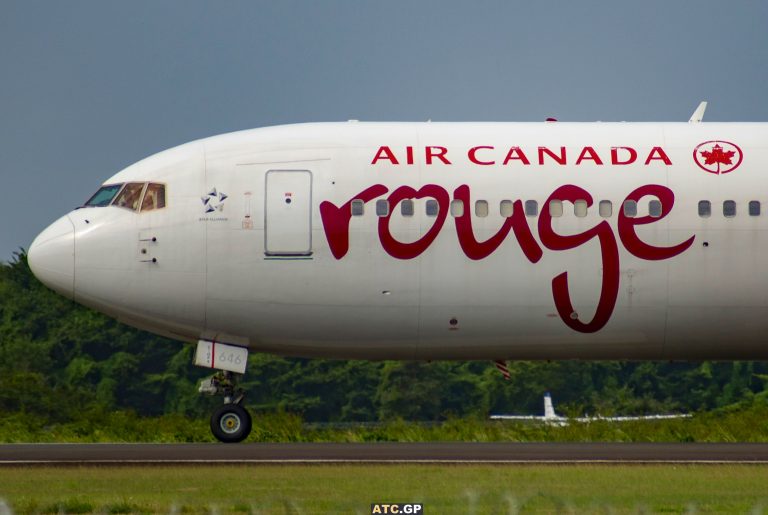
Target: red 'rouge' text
336, 225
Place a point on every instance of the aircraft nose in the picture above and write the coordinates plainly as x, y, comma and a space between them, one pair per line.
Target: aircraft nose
51, 257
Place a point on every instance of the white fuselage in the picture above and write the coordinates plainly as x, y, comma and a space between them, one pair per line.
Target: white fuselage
258, 246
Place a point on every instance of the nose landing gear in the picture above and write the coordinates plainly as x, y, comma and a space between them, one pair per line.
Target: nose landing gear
230, 423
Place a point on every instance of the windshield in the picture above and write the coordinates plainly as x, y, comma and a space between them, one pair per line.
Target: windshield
130, 197
154, 197
104, 196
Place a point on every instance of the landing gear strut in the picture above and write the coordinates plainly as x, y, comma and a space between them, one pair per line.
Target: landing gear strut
230, 423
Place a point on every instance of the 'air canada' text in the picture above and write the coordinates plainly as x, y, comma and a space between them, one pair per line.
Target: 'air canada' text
488, 155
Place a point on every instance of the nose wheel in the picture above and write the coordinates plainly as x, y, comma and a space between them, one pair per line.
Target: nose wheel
231, 423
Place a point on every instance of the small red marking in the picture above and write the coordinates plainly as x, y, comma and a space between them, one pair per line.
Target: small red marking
502, 366
213, 353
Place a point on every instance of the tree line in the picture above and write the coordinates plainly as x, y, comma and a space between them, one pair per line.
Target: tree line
59, 359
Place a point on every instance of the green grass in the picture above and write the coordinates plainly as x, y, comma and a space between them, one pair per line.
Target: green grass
744, 424
352, 488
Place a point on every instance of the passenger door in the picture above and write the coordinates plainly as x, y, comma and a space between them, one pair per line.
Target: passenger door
288, 213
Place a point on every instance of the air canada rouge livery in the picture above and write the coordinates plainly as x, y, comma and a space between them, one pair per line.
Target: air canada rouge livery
431, 241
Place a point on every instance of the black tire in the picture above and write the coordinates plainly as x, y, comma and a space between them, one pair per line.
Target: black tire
231, 423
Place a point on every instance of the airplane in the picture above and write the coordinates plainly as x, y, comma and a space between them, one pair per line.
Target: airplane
552, 418
430, 241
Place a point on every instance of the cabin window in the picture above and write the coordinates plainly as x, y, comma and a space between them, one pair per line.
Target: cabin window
406, 207
705, 208
505, 208
130, 196
754, 208
630, 208
531, 208
654, 208
729, 208
432, 207
580, 208
481, 208
555, 208
382, 207
104, 196
605, 208
457, 208
154, 197
357, 207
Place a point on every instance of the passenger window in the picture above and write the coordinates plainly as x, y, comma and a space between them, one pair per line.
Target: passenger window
630, 208
457, 208
754, 208
580, 208
130, 197
705, 208
555, 208
382, 207
481, 208
406, 207
104, 196
729, 208
358, 207
432, 207
505, 208
606, 208
154, 197
531, 208
654, 208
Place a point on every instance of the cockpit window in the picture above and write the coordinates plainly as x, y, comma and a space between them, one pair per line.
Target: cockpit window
154, 197
130, 196
104, 196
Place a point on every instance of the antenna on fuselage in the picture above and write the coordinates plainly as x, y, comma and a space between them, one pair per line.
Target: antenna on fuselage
698, 114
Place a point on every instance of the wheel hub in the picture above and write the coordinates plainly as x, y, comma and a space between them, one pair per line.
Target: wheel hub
230, 423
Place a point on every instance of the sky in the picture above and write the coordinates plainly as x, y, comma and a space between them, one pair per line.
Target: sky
89, 87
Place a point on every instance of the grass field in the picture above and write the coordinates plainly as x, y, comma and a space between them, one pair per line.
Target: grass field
462, 489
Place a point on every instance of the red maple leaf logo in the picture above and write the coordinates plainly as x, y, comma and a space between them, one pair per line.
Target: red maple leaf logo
717, 156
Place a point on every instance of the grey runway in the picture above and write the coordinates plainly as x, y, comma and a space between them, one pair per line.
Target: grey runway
271, 453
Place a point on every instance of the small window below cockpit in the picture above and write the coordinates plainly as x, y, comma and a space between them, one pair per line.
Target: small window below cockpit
130, 196
154, 197
104, 196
